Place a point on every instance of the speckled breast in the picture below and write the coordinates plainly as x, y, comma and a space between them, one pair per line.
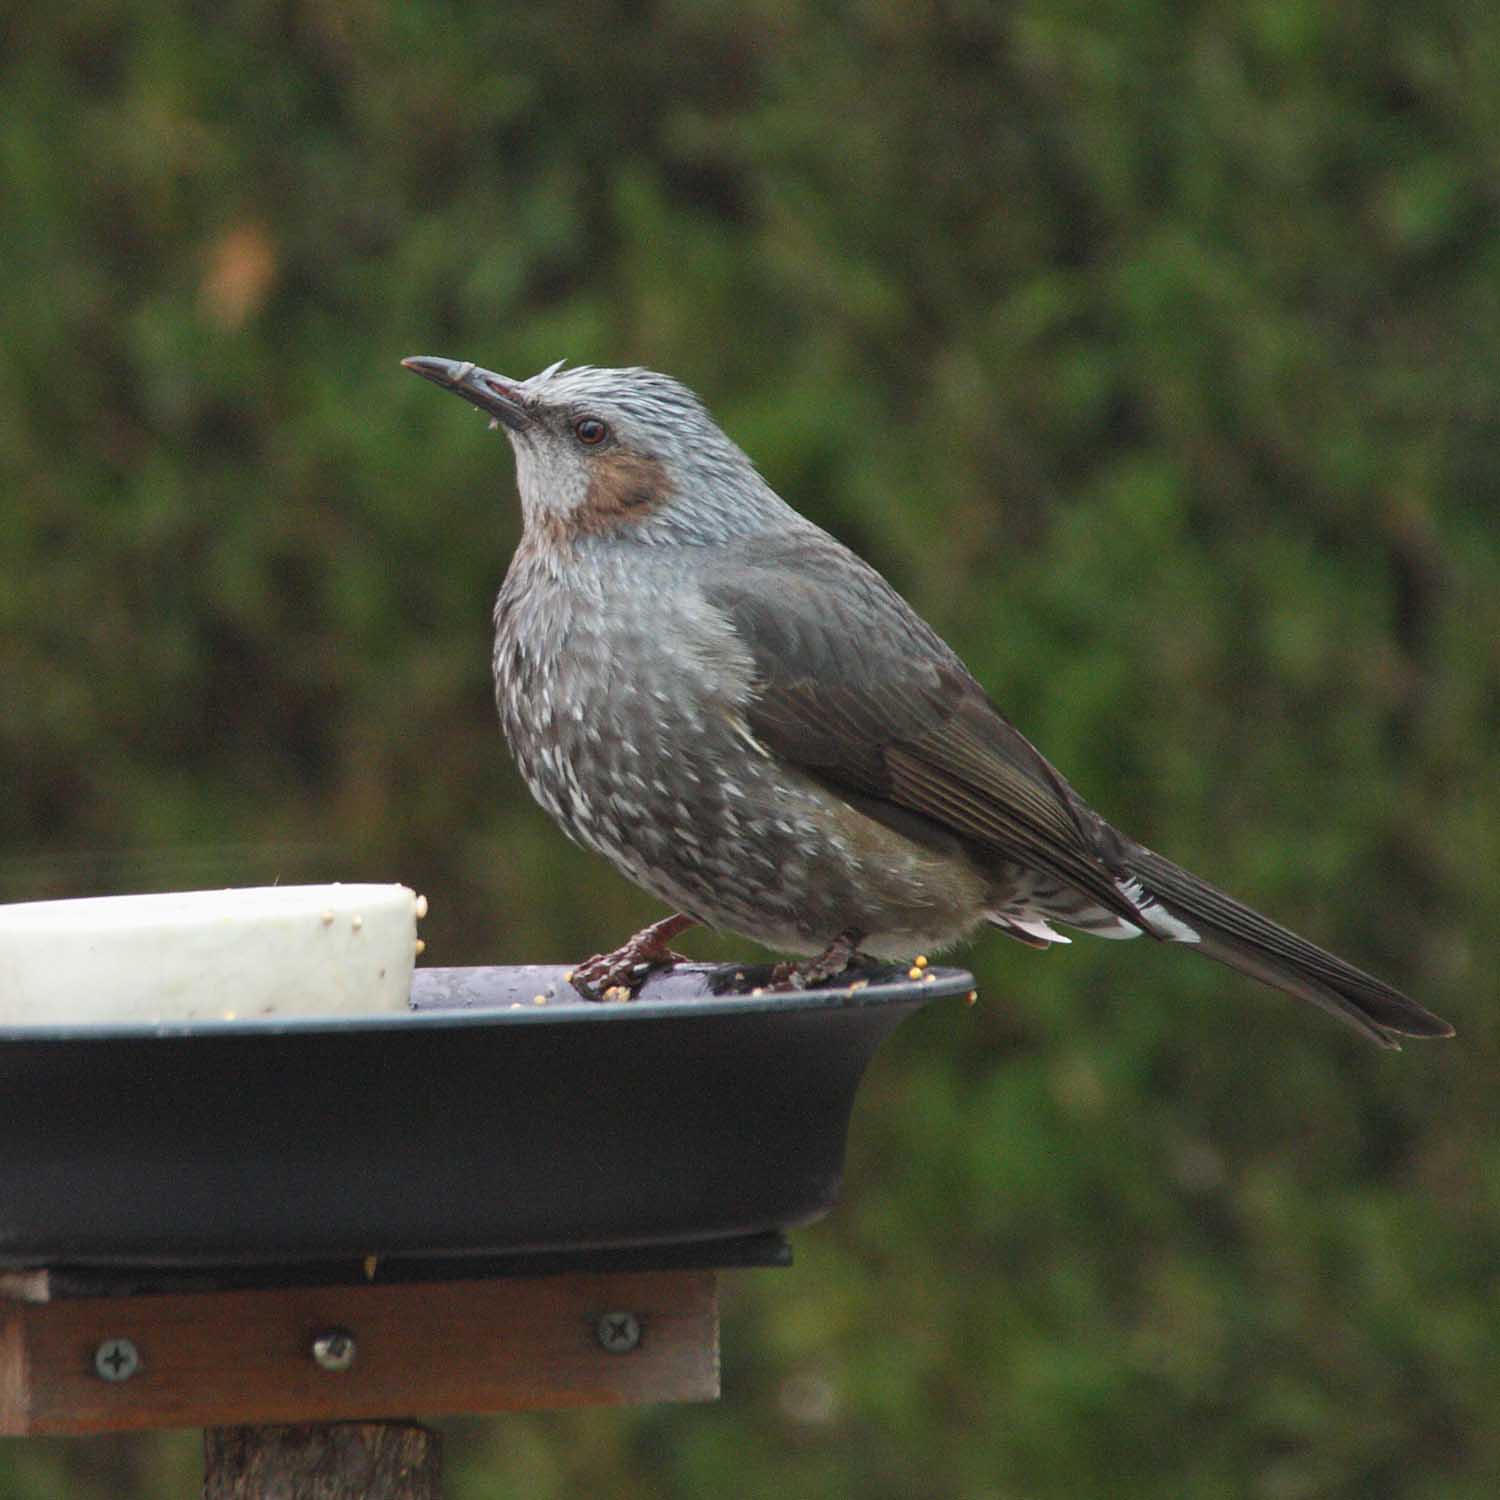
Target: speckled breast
621, 699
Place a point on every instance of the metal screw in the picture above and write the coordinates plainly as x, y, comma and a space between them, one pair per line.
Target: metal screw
334, 1349
116, 1360
619, 1332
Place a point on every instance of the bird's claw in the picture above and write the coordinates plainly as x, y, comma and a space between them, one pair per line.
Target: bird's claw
619, 975
842, 953
623, 971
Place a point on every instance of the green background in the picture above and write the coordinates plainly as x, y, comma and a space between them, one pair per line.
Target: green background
1150, 348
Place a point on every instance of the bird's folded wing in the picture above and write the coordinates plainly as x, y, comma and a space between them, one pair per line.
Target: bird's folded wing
855, 689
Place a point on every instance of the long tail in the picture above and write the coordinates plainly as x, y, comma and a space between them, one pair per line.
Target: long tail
1235, 935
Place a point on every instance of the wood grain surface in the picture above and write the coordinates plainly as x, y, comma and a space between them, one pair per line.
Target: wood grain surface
245, 1357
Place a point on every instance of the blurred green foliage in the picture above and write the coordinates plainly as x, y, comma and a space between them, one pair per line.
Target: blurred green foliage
1150, 348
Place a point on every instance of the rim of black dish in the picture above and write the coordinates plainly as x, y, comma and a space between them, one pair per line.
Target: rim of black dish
936, 984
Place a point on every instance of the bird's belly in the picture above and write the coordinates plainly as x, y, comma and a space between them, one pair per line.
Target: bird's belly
681, 804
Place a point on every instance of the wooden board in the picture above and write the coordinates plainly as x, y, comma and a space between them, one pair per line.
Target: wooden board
235, 1358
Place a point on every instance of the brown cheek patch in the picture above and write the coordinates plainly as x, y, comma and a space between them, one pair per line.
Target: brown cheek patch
623, 487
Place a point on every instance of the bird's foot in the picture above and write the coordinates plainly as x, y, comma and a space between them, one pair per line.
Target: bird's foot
619, 975
834, 959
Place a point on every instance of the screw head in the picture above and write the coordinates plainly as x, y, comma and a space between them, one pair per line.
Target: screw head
334, 1350
116, 1360
619, 1332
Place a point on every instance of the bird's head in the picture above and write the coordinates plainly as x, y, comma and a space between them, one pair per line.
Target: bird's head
626, 454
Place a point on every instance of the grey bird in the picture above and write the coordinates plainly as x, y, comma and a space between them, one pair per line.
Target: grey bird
707, 689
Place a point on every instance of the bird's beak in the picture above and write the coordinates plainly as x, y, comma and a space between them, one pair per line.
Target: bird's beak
488, 391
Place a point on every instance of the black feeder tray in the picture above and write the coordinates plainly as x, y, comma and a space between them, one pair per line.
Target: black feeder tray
480, 1124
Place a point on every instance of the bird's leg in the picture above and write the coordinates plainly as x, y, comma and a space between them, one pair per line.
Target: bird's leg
627, 967
834, 959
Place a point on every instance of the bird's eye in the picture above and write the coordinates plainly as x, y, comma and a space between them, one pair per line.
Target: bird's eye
590, 430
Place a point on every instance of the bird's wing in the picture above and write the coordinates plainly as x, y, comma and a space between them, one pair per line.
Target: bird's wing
855, 689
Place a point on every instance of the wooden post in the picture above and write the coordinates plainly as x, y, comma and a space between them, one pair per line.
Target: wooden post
332, 1461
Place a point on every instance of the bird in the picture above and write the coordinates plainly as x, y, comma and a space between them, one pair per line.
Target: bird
709, 690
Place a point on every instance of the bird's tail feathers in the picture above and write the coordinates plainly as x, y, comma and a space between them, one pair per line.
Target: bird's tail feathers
1234, 934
